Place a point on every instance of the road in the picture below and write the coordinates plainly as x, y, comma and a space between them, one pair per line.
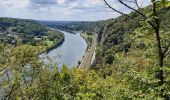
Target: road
86, 62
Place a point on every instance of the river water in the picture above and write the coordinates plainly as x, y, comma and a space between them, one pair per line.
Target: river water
70, 52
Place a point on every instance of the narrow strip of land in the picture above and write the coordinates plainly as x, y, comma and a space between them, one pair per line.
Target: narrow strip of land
86, 62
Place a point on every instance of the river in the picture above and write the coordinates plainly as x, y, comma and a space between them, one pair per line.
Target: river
70, 52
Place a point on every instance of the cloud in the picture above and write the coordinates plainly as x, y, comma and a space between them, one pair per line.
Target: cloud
61, 1
59, 9
44, 2
14, 4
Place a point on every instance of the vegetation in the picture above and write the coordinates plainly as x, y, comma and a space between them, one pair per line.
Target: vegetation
127, 65
21, 31
72, 26
25, 78
88, 38
150, 23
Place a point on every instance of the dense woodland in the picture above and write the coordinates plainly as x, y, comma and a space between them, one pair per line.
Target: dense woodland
126, 66
21, 31
71, 26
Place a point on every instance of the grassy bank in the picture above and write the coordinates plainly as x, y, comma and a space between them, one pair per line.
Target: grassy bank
53, 39
88, 39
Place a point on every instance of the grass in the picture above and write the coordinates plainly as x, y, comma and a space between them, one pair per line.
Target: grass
49, 43
87, 38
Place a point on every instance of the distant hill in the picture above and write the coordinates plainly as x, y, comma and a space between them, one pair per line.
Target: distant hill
114, 35
22, 31
72, 26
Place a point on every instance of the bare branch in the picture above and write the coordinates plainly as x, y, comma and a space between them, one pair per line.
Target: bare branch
166, 54
120, 11
166, 49
114, 9
126, 5
136, 2
144, 16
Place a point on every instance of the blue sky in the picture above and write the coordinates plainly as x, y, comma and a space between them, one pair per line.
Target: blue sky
60, 10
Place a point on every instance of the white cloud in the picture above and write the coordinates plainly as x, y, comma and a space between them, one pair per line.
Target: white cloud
61, 1
43, 9
14, 4
59, 9
94, 2
73, 5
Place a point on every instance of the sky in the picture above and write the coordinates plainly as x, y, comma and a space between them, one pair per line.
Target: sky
61, 10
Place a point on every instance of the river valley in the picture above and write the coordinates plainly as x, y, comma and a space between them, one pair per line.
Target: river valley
70, 52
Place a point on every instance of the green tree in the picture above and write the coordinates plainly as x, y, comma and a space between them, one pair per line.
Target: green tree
155, 21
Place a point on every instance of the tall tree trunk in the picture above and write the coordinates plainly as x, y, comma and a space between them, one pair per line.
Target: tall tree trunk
161, 59
159, 46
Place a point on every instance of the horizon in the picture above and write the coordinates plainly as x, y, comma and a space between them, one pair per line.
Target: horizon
56, 20
60, 10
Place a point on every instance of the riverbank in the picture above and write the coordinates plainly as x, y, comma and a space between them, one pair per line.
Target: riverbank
87, 39
55, 45
70, 51
56, 42
90, 54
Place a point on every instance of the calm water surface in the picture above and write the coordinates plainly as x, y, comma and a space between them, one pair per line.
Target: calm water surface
70, 52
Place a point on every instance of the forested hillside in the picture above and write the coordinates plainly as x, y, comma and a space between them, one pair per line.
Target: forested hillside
72, 26
118, 35
21, 31
128, 63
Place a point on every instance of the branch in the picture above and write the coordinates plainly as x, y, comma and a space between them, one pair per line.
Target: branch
136, 2
144, 16
168, 52
133, 9
155, 14
166, 49
152, 24
11, 91
114, 9
120, 11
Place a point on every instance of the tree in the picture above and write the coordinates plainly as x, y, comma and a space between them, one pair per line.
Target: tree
156, 23
20, 67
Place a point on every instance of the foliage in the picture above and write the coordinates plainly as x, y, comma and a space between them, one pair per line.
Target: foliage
127, 67
21, 31
72, 26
